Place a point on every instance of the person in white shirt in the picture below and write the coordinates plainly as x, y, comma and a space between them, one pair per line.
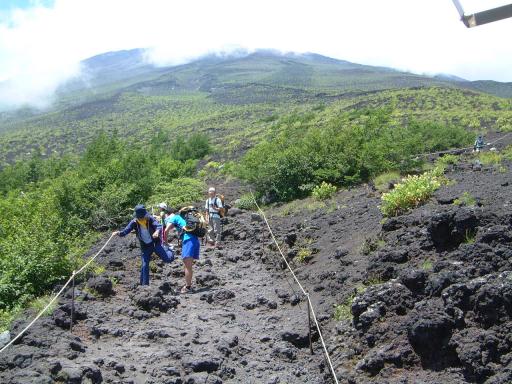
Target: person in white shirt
212, 207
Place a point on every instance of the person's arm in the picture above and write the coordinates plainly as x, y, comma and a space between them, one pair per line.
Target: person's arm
126, 230
167, 229
158, 227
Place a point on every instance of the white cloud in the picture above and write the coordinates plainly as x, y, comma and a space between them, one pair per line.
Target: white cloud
40, 47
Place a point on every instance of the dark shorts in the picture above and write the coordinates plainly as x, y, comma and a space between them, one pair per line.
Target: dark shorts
191, 248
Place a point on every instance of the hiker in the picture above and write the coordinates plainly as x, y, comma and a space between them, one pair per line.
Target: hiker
189, 250
165, 212
148, 231
479, 144
213, 209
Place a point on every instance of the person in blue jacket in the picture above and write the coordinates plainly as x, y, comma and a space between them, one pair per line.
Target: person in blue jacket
189, 250
149, 232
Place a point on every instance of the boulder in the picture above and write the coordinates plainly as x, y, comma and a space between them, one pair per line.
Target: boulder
101, 285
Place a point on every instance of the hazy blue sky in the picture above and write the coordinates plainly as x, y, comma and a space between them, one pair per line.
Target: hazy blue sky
42, 42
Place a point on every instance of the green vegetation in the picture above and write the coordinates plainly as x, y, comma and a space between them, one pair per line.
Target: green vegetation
466, 199
246, 201
303, 255
490, 158
411, 192
470, 236
371, 245
507, 153
323, 191
341, 149
427, 265
52, 210
383, 181
446, 160
343, 311
40, 303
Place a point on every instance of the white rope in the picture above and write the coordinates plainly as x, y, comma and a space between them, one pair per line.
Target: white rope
56, 296
302, 289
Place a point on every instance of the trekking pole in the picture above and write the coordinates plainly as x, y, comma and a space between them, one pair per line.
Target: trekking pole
72, 301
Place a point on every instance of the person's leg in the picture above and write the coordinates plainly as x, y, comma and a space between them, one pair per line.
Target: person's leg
211, 231
167, 255
144, 270
188, 262
217, 229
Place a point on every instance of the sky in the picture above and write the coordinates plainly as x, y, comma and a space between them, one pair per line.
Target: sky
43, 41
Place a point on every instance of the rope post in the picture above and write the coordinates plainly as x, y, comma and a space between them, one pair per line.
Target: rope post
309, 326
72, 301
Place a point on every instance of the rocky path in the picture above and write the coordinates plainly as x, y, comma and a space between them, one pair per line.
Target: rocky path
243, 323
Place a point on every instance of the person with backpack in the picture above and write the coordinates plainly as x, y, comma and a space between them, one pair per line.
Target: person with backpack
214, 210
479, 144
148, 231
189, 229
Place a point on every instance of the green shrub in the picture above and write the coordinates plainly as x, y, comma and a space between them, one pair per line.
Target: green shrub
178, 193
323, 191
490, 158
383, 181
246, 202
427, 265
342, 150
343, 311
446, 160
507, 152
411, 192
470, 236
195, 147
40, 303
466, 199
303, 255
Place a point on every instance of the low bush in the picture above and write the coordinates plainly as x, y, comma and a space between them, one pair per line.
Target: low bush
178, 193
466, 199
323, 191
246, 202
490, 158
303, 255
446, 160
411, 192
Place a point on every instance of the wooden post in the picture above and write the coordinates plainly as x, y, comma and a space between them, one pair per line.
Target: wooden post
309, 325
72, 303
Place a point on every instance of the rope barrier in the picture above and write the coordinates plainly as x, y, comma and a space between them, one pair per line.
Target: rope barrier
306, 294
56, 296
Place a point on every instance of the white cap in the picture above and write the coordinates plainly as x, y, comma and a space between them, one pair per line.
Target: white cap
211, 189
162, 205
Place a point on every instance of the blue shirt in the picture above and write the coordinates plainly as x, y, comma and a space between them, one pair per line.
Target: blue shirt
179, 222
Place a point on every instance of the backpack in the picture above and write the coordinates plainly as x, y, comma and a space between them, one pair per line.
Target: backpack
195, 223
223, 212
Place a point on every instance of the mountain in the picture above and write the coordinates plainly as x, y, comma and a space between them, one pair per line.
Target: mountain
231, 98
115, 71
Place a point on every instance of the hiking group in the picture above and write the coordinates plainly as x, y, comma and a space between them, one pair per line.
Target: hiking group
156, 233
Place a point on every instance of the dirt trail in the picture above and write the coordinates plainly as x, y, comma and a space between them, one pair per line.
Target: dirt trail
243, 324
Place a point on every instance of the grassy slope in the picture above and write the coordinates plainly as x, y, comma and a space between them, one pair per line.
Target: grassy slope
234, 100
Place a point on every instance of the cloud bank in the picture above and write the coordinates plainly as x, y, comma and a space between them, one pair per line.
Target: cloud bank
41, 47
